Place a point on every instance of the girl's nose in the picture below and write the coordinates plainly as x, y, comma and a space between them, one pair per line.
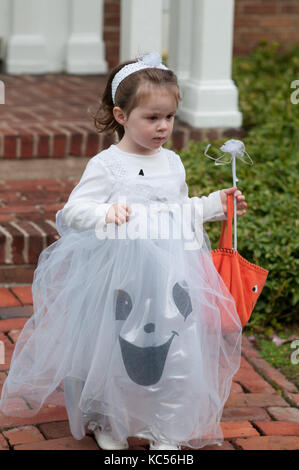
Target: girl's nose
162, 125
149, 328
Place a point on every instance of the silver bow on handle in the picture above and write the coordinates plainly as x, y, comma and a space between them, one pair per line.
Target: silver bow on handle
236, 149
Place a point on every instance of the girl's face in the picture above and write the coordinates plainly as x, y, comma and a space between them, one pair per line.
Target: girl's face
150, 124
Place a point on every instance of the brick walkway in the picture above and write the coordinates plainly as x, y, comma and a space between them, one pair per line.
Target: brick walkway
262, 411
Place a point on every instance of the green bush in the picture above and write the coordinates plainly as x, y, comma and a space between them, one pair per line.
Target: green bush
268, 232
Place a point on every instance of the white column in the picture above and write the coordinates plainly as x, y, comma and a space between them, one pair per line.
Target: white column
141, 28
85, 49
26, 48
5, 15
180, 36
56, 14
210, 97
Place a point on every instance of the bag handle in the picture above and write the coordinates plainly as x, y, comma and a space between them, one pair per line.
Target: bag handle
226, 237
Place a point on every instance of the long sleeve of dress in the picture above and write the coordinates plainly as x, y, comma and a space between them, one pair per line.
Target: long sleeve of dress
209, 206
87, 204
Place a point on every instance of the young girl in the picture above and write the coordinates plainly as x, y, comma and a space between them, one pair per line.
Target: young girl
128, 330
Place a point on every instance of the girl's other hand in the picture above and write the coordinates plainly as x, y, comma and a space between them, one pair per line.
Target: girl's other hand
241, 204
118, 213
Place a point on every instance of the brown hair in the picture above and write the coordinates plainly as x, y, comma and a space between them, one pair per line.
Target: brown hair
129, 94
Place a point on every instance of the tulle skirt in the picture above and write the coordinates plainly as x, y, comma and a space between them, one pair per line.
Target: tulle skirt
138, 336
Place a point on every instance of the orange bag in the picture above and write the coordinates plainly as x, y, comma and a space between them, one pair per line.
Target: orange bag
244, 280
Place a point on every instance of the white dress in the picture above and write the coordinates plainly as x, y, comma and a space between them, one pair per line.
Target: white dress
132, 329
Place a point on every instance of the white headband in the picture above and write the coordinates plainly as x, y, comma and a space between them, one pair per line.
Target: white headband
152, 60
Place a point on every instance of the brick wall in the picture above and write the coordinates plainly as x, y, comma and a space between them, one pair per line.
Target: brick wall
255, 20
112, 31
273, 20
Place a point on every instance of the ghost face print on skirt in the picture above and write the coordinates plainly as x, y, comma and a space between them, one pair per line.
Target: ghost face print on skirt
145, 365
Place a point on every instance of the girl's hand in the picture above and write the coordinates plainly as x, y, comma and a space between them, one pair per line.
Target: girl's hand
241, 204
118, 213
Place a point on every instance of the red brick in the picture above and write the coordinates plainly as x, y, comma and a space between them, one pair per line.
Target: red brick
53, 207
15, 404
293, 397
2, 377
21, 208
178, 139
13, 312
137, 442
249, 413
236, 388
45, 415
16, 245
7, 218
111, 9
92, 142
14, 335
43, 146
3, 443
279, 428
7, 299
50, 184
12, 323
26, 145
237, 429
35, 245
10, 144
23, 434
11, 274
291, 8
273, 375
277, 21
236, 400
269, 443
248, 350
9, 197
65, 443
48, 229
259, 9
251, 380
24, 294
4, 339
284, 414
23, 185
55, 430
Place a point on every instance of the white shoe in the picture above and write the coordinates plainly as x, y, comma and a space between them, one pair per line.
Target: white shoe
106, 441
163, 446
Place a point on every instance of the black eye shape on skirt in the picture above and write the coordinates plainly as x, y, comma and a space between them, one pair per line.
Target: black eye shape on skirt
182, 300
180, 295
123, 305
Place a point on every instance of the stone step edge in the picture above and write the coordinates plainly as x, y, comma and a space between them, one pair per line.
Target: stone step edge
78, 139
22, 242
47, 141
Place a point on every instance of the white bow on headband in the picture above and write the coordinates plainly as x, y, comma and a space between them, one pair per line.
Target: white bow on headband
152, 60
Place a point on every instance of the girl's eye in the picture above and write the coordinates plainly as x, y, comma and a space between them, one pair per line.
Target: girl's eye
153, 118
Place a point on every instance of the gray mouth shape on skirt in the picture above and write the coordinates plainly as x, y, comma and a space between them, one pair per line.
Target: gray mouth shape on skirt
145, 365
